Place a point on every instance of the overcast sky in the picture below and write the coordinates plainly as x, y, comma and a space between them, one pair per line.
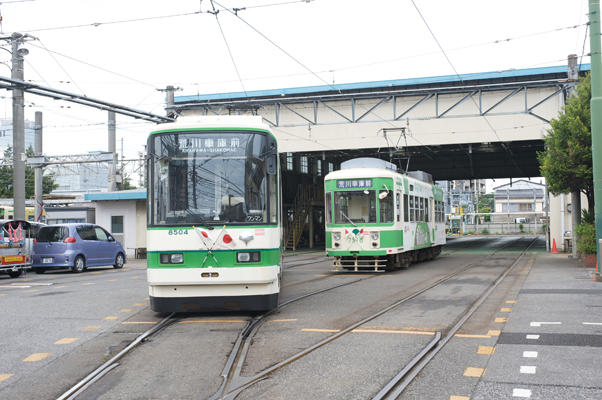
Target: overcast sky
123, 51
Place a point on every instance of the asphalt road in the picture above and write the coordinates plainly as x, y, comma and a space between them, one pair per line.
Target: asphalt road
63, 326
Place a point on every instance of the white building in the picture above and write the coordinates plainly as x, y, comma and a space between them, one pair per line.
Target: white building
520, 199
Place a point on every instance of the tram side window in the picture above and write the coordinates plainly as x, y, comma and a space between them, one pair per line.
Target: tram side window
329, 207
398, 203
405, 208
411, 208
426, 210
386, 207
421, 209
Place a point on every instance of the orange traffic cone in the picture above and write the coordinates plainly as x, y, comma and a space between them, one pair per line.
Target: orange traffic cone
554, 249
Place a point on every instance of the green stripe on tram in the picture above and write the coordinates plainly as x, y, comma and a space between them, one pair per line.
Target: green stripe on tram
217, 258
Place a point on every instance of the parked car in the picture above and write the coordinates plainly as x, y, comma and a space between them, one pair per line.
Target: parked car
76, 246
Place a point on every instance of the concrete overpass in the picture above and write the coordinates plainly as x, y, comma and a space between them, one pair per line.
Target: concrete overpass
473, 126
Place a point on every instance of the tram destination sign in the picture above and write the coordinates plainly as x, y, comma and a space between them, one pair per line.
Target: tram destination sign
354, 184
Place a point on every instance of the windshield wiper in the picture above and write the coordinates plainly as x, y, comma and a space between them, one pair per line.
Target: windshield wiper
347, 218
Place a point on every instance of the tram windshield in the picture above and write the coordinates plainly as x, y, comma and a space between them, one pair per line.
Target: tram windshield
211, 177
357, 206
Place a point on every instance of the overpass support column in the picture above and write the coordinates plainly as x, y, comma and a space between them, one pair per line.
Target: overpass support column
596, 113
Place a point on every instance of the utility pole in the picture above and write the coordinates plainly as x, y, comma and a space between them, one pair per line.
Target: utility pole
596, 113
38, 191
18, 128
573, 74
112, 148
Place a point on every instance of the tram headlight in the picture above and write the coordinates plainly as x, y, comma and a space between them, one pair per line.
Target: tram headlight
248, 256
336, 236
374, 235
175, 258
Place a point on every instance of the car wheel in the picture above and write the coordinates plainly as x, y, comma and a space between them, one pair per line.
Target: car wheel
14, 274
39, 270
119, 261
79, 265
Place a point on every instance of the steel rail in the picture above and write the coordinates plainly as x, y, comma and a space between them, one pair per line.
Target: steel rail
109, 364
238, 353
245, 382
412, 370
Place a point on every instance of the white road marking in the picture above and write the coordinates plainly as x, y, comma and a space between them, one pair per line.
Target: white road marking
524, 369
532, 336
521, 393
545, 323
530, 354
592, 323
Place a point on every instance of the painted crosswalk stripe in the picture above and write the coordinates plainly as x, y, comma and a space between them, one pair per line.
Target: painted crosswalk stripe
533, 337
527, 369
521, 393
530, 354
545, 323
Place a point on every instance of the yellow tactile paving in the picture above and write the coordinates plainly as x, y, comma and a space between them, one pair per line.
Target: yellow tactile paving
4, 377
67, 340
37, 357
110, 318
472, 372
91, 328
486, 350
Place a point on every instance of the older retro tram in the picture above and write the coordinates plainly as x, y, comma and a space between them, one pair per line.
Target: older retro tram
378, 219
213, 236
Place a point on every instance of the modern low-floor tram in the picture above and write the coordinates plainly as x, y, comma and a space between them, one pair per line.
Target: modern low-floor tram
213, 229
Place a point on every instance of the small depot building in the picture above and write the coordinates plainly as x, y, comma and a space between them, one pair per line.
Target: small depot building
124, 215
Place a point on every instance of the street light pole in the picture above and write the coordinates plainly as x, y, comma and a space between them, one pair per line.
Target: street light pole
18, 129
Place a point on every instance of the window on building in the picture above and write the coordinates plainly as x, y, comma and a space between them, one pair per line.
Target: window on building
289, 161
117, 224
304, 163
330, 167
318, 168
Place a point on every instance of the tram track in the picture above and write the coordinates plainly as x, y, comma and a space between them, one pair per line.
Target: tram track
238, 384
233, 384
242, 343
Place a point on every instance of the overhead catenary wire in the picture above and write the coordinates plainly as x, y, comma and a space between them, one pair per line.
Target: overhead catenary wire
460, 77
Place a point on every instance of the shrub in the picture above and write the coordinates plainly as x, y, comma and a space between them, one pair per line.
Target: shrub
485, 231
586, 233
521, 227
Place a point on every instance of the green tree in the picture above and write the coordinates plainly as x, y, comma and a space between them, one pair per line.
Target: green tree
6, 177
566, 163
127, 182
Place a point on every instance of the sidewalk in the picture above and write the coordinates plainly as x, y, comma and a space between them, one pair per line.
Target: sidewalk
550, 347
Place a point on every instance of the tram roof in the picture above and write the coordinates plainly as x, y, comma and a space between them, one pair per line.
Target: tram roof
514, 73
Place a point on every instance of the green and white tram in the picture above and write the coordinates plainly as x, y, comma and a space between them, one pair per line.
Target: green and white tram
378, 219
213, 228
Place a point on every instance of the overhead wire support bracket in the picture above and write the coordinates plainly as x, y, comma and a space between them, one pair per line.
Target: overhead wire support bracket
12, 84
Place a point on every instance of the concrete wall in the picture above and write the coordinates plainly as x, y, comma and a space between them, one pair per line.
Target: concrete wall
561, 219
106, 209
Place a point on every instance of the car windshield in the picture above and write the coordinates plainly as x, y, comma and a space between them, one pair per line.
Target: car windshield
211, 177
52, 234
